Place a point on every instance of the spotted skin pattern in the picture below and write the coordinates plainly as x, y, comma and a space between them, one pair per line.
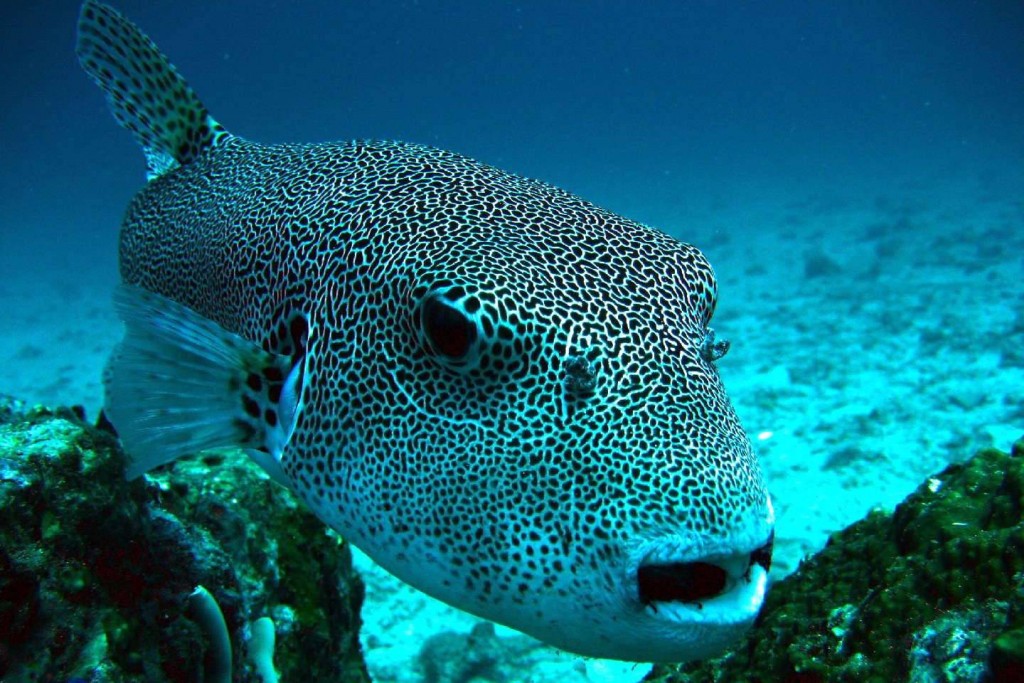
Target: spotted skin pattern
517, 468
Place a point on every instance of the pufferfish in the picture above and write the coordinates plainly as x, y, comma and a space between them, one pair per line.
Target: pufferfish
503, 394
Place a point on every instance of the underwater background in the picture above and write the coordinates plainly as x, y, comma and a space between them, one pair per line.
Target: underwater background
854, 171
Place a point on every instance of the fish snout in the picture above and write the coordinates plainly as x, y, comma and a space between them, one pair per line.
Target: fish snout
701, 591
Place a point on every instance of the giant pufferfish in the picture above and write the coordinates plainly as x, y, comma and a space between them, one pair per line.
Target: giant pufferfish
503, 394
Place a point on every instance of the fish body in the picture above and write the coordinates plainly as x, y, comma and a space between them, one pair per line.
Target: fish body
502, 393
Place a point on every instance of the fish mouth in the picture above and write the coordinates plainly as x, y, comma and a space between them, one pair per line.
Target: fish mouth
713, 588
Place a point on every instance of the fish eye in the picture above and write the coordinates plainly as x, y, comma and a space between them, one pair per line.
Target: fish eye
447, 329
449, 326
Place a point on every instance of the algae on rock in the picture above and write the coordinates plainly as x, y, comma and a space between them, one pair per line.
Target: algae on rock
96, 571
932, 592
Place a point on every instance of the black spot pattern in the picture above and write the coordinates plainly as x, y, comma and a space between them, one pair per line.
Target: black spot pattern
509, 388
491, 463
145, 92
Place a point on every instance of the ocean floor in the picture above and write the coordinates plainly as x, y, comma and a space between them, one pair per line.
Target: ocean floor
874, 339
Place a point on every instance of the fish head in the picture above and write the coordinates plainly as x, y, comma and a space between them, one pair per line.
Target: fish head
539, 434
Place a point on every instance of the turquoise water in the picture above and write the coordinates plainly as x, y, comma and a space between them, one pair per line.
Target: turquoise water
854, 171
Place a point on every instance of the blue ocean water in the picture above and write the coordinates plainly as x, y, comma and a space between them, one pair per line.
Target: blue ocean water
791, 141
651, 109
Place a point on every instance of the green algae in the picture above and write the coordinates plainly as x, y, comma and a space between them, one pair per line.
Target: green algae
95, 571
932, 592
1008, 654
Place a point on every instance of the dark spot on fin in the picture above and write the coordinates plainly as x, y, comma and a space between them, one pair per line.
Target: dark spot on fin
179, 384
278, 388
251, 406
144, 90
273, 392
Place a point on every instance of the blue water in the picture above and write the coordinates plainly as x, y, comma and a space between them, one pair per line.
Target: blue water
653, 109
888, 135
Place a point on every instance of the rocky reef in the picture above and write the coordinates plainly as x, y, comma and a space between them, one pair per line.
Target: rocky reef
206, 571
933, 592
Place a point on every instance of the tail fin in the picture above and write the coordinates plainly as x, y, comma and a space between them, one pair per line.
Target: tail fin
144, 90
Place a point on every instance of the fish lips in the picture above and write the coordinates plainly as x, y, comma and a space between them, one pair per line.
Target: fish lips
693, 596
723, 584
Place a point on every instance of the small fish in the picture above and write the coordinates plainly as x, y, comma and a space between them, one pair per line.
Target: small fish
503, 394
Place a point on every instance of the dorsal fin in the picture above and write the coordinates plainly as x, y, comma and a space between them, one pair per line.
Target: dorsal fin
146, 93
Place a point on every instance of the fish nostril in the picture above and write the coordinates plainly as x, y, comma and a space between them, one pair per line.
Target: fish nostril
581, 376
